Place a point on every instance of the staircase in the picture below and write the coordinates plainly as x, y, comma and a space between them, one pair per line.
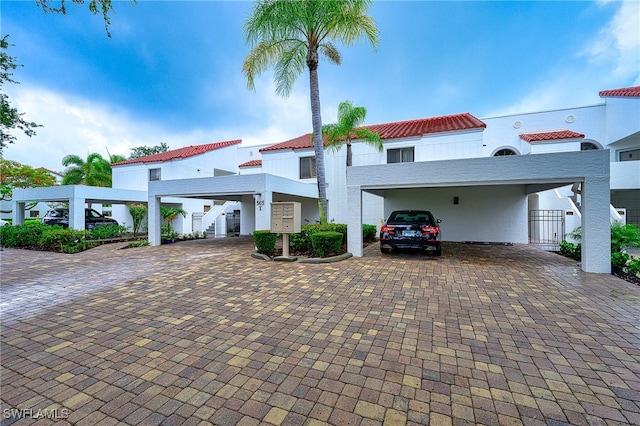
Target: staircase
209, 219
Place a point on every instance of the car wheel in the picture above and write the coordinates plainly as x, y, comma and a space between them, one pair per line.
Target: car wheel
438, 252
384, 250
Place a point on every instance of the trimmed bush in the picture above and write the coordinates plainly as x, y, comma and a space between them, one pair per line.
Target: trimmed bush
108, 231
301, 242
265, 241
327, 243
65, 240
368, 233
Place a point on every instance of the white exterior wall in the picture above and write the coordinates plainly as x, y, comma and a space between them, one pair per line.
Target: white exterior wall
504, 131
622, 117
484, 213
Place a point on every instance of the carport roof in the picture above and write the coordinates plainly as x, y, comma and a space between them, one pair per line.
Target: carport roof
90, 194
399, 129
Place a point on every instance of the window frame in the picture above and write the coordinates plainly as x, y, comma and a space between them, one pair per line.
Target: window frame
310, 168
155, 174
401, 154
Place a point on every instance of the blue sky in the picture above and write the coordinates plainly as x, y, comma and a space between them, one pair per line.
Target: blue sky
171, 72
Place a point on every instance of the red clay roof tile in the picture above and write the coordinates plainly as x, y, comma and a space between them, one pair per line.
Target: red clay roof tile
627, 92
399, 129
251, 163
551, 136
184, 152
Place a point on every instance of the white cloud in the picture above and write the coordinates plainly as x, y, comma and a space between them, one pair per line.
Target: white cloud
76, 125
612, 61
73, 125
618, 43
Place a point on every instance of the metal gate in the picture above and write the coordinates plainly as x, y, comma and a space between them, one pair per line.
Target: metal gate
233, 222
546, 228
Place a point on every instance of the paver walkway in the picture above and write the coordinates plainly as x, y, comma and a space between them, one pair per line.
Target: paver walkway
199, 332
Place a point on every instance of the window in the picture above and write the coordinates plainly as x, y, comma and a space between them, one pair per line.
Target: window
633, 155
504, 151
400, 155
587, 146
34, 213
307, 167
154, 174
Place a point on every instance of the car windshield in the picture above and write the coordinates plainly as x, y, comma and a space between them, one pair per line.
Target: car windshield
413, 217
57, 213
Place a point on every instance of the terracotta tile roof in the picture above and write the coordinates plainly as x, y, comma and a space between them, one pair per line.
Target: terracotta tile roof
424, 126
627, 92
251, 163
184, 152
399, 129
551, 136
300, 142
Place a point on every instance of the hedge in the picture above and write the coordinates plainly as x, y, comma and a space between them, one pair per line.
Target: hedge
265, 241
326, 243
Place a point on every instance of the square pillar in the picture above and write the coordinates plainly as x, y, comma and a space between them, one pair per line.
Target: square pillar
17, 215
354, 221
76, 213
596, 225
263, 210
154, 221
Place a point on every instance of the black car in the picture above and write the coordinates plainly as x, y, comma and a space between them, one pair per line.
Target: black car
92, 218
411, 229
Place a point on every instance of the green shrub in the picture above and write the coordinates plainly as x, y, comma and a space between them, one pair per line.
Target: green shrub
623, 236
64, 240
326, 243
141, 243
138, 213
368, 233
108, 231
301, 242
619, 259
574, 251
633, 267
265, 241
23, 236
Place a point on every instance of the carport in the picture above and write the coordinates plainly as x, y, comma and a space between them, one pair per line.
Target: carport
255, 192
515, 176
77, 196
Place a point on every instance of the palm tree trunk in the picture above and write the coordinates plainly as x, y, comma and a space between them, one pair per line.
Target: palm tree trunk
318, 145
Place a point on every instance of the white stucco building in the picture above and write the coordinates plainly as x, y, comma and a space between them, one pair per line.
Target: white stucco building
520, 178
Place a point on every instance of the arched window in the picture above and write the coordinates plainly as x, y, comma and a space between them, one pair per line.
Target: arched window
504, 151
587, 146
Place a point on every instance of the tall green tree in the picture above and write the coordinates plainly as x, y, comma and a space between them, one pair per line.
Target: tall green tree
14, 175
143, 151
292, 34
10, 117
350, 118
94, 171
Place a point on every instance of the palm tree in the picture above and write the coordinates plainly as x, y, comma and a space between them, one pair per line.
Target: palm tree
291, 34
95, 171
347, 128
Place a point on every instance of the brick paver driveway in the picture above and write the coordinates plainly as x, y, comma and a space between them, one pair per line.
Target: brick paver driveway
201, 332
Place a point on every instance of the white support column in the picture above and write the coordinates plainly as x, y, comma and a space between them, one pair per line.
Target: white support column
248, 214
17, 216
263, 210
76, 213
354, 222
154, 220
596, 227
